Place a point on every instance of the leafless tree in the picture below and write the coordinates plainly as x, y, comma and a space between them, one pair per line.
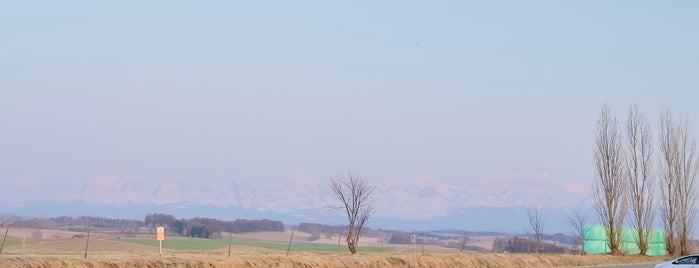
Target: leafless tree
667, 176
609, 190
578, 221
536, 223
639, 164
686, 186
463, 240
355, 196
678, 171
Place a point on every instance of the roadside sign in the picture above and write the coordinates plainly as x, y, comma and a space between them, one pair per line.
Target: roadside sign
160, 233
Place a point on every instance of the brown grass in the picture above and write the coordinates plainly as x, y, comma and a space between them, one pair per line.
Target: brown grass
60, 249
320, 260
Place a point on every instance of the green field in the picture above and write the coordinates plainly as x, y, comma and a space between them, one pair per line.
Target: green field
212, 244
11, 243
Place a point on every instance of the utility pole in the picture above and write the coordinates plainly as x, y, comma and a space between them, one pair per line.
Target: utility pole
87, 242
230, 240
5, 237
290, 239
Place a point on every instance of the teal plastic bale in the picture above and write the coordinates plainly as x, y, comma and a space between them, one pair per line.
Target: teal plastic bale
594, 233
657, 236
629, 236
596, 247
596, 241
657, 249
657, 246
630, 248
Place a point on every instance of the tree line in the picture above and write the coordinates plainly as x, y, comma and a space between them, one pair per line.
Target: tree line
209, 227
195, 227
318, 230
66, 222
526, 245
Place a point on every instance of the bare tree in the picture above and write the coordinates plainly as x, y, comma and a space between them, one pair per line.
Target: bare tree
578, 221
686, 169
678, 162
536, 223
667, 176
463, 240
609, 190
355, 196
639, 164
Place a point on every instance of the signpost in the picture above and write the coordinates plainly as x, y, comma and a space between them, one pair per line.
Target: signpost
160, 235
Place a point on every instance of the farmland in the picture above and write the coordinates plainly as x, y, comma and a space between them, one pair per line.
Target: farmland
199, 244
263, 249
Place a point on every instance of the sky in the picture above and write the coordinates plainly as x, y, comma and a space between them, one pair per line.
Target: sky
461, 92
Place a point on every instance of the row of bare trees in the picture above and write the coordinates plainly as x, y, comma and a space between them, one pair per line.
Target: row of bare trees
624, 188
627, 178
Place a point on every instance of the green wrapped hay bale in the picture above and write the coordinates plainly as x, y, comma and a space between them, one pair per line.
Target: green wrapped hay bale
630, 248
594, 233
597, 242
657, 249
657, 236
629, 236
596, 247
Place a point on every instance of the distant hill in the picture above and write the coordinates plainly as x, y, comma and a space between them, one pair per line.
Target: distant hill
511, 220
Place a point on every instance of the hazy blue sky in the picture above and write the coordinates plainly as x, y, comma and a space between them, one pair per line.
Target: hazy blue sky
259, 91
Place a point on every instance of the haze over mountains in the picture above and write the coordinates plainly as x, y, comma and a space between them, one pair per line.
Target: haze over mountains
424, 203
462, 114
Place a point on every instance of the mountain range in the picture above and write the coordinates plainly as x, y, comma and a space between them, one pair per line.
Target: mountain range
419, 205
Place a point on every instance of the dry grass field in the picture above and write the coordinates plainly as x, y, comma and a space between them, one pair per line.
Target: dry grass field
317, 260
66, 249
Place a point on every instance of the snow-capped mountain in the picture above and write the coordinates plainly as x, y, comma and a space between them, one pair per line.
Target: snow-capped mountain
419, 200
303, 199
